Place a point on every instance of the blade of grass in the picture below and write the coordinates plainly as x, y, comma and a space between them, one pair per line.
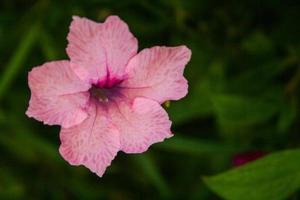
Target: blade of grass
48, 46
16, 61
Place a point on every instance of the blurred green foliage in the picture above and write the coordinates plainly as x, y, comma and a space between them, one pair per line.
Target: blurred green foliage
266, 178
244, 79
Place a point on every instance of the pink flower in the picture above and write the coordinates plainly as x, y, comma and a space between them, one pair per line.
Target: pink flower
108, 97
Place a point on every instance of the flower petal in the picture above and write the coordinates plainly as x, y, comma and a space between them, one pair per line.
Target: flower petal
85, 50
58, 96
141, 124
100, 51
81, 31
157, 73
94, 143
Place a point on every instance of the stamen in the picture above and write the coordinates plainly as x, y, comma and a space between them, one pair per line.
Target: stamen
100, 94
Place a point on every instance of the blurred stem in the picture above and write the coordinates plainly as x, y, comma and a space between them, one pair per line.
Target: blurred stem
18, 59
150, 170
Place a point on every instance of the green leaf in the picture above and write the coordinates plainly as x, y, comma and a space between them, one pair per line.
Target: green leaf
10, 185
195, 146
36, 147
17, 136
274, 177
287, 116
258, 44
236, 110
198, 101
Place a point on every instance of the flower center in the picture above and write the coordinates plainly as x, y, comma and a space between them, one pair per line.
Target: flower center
105, 90
101, 94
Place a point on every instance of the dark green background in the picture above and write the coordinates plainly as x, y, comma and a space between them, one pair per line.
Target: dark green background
244, 79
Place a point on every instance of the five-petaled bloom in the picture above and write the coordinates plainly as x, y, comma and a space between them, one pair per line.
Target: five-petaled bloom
107, 97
